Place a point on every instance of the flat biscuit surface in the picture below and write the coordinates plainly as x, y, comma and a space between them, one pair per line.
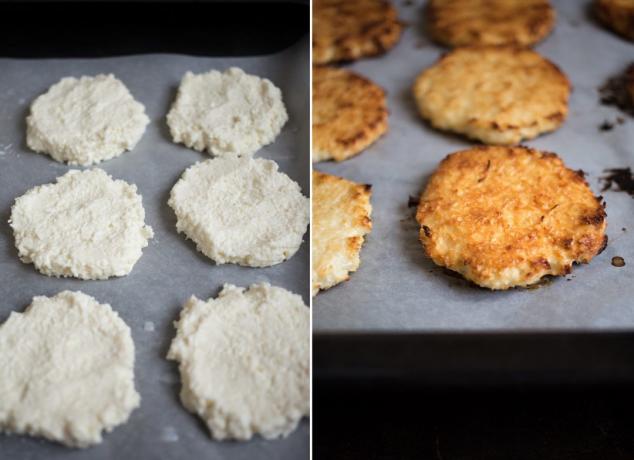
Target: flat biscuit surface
86, 225
489, 22
228, 113
82, 121
244, 361
349, 113
241, 210
617, 15
66, 370
341, 219
345, 30
507, 216
498, 95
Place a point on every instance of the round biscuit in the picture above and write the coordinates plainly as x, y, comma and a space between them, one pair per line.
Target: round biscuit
349, 113
345, 30
244, 361
618, 15
489, 22
507, 216
498, 95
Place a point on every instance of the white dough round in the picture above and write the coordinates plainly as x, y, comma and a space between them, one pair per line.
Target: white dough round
244, 361
86, 225
241, 210
85, 121
226, 113
66, 370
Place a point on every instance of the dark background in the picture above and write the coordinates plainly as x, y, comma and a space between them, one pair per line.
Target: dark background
474, 396
565, 422
94, 29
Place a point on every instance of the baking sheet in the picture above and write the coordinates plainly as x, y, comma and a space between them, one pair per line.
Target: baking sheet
170, 269
397, 288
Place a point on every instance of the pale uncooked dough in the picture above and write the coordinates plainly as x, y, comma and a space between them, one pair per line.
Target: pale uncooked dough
226, 113
241, 210
86, 225
244, 361
85, 121
66, 370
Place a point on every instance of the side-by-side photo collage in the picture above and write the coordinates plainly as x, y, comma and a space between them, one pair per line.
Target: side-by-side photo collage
316, 229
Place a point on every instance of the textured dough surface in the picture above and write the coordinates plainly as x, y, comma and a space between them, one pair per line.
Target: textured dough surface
505, 217
240, 210
618, 15
66, 370
345, 30
226, 113
84, 121
349, 113
341, 219
85, 225
244, 361
498, 95
489, 22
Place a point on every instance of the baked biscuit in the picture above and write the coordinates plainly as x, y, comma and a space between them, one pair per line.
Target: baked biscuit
498, 95
349, 113
489, 22
345, 30
618, 15
341, 218
507, 216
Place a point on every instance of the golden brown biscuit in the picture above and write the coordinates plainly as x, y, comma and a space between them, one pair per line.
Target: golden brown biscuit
349, 113
341, 218
507, 216
618, 15
498, 95
345, 30
489, 22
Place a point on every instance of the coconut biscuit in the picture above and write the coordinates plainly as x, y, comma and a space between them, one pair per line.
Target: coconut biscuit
244, 361
66, 370
489, 22
341, 219
345, 30
349, 113
507, 216
498, 95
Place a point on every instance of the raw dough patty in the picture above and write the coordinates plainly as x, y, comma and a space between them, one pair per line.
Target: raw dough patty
66, 370
85, 121
244, 361
240, 210
345, 30
341, 219
86, 225
505, 217
349, 113
489, 22
498, 95
226, 113
618, 15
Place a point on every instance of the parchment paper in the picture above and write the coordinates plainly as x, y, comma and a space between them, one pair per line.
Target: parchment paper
170, 269
397, 288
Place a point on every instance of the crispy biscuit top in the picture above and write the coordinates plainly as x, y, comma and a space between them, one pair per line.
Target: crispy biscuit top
341, 219
489, 22
349, 113
506, 216
345, 30
497, 94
